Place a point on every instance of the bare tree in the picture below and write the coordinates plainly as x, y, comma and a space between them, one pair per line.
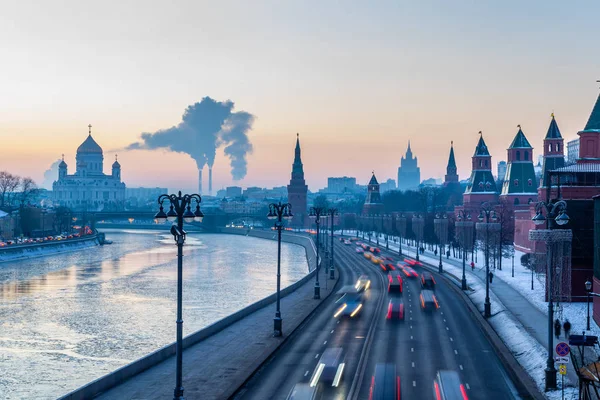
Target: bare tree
8, 185
28, 191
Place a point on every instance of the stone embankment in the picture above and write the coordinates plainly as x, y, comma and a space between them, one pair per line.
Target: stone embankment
31, 250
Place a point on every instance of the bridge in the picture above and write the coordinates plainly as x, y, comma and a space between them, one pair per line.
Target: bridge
131, 219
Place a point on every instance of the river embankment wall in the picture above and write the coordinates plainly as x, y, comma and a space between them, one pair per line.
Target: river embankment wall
31, 250
128, 371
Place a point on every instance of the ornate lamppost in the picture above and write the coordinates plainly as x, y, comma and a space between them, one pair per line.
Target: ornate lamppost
332, 213
417, 227
315, 214
488, 215
464, 229
179, 212
441, 228
278, 212
555, 213
401, 228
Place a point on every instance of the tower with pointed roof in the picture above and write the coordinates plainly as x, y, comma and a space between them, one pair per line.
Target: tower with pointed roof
451, 174
520, 186
89, 188
298, 190
481, 186
409, 173
373, 204
554, 156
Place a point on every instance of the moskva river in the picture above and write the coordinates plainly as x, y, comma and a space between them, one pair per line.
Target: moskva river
66, 319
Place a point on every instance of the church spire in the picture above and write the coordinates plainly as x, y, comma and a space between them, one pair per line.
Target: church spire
553, 131
451, 175
297, 168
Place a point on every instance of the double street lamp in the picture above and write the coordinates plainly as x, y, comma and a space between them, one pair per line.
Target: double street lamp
441, 228
418, 224
554, 213
401, 230
278, 212
464, 229
315, 214
179, 212
588, 289
488, 215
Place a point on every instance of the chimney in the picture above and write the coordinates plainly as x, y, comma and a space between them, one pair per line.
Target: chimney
210, 181
199, 181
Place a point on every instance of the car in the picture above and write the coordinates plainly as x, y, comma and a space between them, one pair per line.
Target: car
347, 242
359, 250
375, 260
412, 262
394, 282
367, 255
428, 300
390, 267
395, 309
388, 258
427, 280
350, 305
408, 271
330, 367
447, 386
363, 283
385, 383
303, 391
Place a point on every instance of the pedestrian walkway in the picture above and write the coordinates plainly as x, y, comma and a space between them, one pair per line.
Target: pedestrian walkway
218, 365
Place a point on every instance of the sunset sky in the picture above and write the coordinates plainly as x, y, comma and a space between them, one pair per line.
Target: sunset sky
357, 80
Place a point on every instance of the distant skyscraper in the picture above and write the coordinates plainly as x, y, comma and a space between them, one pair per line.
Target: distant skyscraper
233, 191
409, 174
451, 174
297, 189
373, 204
501, 170
386, 186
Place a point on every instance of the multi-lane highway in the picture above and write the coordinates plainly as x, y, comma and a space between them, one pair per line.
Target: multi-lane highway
443, 339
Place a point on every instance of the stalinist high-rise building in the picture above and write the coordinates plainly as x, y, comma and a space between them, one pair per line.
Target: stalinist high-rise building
409, 173
298, 190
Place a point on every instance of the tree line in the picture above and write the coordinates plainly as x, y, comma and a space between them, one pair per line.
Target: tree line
15, 189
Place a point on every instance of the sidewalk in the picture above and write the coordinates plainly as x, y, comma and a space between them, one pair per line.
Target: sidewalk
503, 298
215, 367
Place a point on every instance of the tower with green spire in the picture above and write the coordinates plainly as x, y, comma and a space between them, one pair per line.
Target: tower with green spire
451, 175
520, 186
481, 186
554, 156
373, 204
298, 190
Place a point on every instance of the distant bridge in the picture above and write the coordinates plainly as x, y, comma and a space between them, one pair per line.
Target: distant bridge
210, 222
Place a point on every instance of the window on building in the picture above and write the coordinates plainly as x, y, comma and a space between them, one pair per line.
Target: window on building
518, 155
529, 182
550, 147
516, 201
516, 182
526, 155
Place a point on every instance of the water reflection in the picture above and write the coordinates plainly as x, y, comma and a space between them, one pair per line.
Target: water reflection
68, 319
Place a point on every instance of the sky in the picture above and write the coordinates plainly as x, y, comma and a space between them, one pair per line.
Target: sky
356, 79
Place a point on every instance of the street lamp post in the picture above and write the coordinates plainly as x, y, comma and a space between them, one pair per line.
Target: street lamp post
401, 231
488, 214
588, 289
332, 213
441, 225
417, 227
279, 212
179, 211
315, 214
464, 227
555, 213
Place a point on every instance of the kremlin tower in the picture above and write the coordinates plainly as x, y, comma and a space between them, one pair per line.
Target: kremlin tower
481, 186
520, 186
297, 190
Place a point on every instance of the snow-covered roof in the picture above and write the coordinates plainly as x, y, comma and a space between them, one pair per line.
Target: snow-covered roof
3, 214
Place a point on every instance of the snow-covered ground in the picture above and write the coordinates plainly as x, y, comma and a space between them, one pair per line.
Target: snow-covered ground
526, 349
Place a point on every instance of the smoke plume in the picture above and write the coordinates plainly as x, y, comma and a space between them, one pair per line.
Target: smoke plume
51, 175
204, 127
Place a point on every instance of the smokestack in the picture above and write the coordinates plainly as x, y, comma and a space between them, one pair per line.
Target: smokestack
210, 181
199, 181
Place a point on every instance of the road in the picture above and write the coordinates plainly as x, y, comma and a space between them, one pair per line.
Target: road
422, 344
